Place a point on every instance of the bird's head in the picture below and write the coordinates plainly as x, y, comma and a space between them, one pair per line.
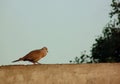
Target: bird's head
45, 48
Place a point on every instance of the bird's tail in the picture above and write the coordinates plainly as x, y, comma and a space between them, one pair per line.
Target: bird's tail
20, 59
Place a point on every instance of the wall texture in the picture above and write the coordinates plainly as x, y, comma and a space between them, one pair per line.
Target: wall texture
61, 74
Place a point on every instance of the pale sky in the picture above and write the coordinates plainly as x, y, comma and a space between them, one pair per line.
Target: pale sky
66, 27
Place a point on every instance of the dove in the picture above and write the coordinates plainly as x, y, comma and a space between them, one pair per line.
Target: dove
34, 56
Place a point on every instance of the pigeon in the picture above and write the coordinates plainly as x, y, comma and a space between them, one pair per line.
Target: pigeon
34, 56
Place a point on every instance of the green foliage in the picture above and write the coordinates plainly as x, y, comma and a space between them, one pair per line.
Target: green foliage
84, 58
107, 46
115, 11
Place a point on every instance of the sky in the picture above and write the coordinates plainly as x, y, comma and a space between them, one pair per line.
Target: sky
66, 27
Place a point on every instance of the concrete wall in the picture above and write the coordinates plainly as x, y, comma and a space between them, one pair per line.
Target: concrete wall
61, 74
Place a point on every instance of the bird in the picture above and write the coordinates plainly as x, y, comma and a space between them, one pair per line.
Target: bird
34, 56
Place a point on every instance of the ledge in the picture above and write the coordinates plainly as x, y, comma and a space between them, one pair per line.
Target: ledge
104, 73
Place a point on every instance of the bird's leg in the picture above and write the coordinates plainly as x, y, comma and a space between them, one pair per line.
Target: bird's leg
34, 63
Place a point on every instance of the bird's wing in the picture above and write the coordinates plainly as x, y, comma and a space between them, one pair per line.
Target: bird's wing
32, 55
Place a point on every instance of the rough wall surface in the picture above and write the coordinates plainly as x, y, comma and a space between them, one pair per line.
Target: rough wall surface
61, 74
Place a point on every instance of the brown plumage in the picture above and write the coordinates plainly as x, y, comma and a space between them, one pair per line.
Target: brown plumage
34, 56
